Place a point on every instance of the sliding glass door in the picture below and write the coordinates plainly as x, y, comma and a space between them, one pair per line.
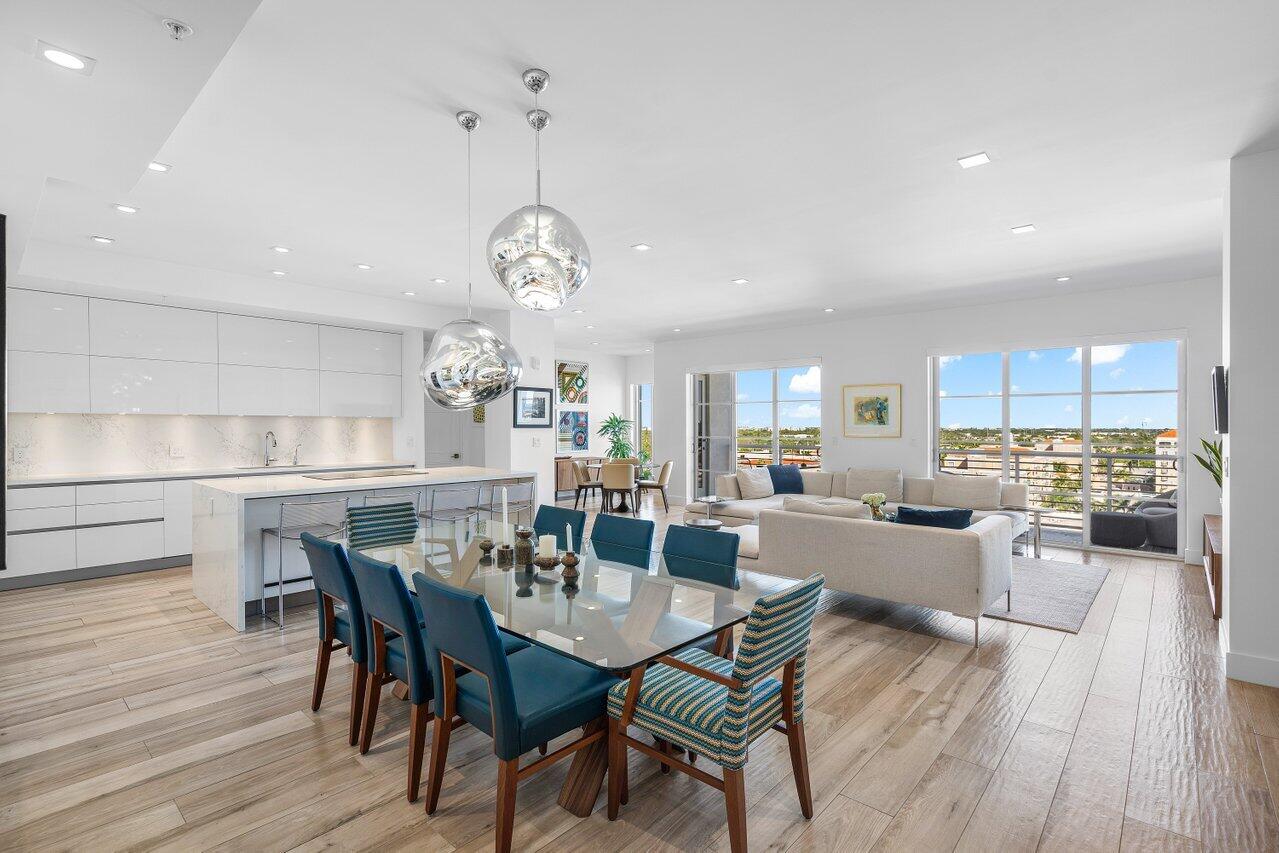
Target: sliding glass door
1098, 421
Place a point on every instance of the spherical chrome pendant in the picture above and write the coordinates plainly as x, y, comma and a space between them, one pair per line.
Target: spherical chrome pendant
469, 363
539, 257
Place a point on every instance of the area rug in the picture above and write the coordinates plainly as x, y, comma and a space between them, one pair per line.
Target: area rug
1050, 593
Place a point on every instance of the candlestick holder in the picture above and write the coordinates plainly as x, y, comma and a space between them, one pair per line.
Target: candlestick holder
524, 584
486, 544
546, 563
524, 546
569, 572
505, 556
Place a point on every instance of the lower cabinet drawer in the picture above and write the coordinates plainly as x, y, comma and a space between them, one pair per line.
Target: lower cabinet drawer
119, 543
124, 511
33, 553
40, 519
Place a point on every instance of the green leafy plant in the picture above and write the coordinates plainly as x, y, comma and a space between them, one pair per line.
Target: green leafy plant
1211, 458
617, 430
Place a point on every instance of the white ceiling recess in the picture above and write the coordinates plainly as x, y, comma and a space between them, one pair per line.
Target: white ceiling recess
808, 148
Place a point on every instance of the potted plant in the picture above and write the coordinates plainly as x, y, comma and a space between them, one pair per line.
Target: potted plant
1211, 459
617, 430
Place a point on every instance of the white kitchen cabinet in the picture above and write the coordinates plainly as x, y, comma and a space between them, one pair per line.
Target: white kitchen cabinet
25, 497
268, 343
40, 518
134, 330
359, 351
48, 382
115, 513
47, 322
33, 553
110, 493
118, 543
134, 385
354, 395
177, 517
245, 390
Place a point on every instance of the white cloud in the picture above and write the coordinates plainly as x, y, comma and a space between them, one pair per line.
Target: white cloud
808, 382
804, 410
1069, 408
1015, 388
941, 393
955, 426
948, 359
1034, 355
742, 396
1123, 420
1116, 373
1107, 354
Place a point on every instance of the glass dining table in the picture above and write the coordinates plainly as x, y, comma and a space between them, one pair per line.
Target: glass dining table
626, 608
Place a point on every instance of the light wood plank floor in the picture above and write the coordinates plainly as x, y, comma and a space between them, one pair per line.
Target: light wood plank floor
131, 717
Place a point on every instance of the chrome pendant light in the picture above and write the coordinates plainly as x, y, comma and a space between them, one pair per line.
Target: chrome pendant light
469, 362
537, 254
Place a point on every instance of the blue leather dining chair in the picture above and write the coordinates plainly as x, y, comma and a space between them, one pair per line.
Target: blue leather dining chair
634, 533
709, 556
521, 701
714, 707
397, 653
551, 519
339, 627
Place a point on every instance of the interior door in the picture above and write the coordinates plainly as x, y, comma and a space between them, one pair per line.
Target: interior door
442, 439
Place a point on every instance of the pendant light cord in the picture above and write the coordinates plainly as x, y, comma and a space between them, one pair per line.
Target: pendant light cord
537, 164
468, 225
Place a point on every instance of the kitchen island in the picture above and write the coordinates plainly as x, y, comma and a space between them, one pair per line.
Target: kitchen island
229, 514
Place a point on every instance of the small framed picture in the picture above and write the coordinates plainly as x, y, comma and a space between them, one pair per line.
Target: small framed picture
872, 411
532, 408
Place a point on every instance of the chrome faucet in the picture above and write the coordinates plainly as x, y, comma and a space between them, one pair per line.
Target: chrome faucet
296, 449
268, 441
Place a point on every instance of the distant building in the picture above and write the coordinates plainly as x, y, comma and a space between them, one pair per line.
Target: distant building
1166, 477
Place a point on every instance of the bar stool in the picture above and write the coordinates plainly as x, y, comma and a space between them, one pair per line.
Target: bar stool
460, 503
519, 498
388, 500
322, 519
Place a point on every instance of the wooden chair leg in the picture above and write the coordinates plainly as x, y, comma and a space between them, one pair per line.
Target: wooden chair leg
799, 764
439, 756
577, 496
507, 776
541, 749
666, 504
372, 694
666, 750
616, 767
359, 678
419, 717
735, 802
322, 656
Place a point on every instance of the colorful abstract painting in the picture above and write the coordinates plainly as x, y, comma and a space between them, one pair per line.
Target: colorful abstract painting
872, 411
574, 432
573, 382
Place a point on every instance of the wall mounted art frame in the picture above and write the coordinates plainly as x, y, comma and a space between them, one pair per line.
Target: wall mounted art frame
572, 378
574, 433
872, 411
533, 408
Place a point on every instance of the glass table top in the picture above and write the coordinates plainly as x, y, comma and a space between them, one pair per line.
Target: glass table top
626, 608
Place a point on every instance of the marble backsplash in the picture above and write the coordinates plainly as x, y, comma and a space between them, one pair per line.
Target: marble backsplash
42, 445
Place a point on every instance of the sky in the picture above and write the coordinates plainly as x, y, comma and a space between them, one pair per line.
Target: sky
1144, 367
799, 395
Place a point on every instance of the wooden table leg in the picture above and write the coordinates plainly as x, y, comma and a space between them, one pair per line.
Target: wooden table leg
586, 774
400, 691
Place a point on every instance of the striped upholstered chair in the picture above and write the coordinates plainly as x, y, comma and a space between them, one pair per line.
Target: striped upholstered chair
716, 707
376, 525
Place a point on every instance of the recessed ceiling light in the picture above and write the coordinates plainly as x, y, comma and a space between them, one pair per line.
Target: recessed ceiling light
595, 343
277, 272
157, 166
981, 158
409, 293
364, 266
590, 327
1063, 278
648, 350
439, 281
641, 247
124, 208
97, 238
1023, 229
283, 250
829, 310
677, 330
741, 281
64, 58
578, 311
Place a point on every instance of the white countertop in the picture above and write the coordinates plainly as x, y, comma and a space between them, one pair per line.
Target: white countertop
296, 484
196, 473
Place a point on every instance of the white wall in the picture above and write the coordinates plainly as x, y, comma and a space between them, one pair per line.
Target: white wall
1250, 310
894, 348
533, 336
607, 394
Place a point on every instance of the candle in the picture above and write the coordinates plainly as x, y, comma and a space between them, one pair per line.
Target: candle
505, 530
546, 545
568, 537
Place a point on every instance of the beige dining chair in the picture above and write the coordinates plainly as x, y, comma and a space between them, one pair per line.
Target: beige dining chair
583, 482
659, 484
619, 478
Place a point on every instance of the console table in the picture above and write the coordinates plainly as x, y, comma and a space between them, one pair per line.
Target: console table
1212, 561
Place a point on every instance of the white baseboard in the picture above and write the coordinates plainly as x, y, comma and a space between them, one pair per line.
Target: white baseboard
1258, 670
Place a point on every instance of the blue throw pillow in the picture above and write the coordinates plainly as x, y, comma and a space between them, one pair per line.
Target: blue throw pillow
786, 479
952, 519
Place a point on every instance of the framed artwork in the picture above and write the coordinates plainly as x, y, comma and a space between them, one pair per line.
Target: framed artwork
873, 411
573, 382
477, 414
532, 408
574, 432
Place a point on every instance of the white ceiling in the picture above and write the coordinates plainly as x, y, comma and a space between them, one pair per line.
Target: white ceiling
807, 147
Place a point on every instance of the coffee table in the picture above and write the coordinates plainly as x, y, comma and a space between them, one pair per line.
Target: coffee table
707, 523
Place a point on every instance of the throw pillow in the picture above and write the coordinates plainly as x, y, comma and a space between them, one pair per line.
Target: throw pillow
866, 481
967, 492
952, 519
843, 510
786, 479
754, 483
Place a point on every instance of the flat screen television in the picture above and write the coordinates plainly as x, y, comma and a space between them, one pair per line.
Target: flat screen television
1220, 400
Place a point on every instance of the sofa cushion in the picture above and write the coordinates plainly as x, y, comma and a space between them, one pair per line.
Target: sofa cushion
786, 479
843, 509
754, 483
747, 542
817, 482
958, 490
751, 508
839, 502
865, 481
952, 519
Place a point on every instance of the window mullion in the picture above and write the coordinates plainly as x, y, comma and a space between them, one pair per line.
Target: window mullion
1006, 415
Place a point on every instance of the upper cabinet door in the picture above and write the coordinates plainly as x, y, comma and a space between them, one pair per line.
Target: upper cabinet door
48, 322
48, 382
145, 386
248, 390
260, 342
359, 351
132, 330
359, 395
